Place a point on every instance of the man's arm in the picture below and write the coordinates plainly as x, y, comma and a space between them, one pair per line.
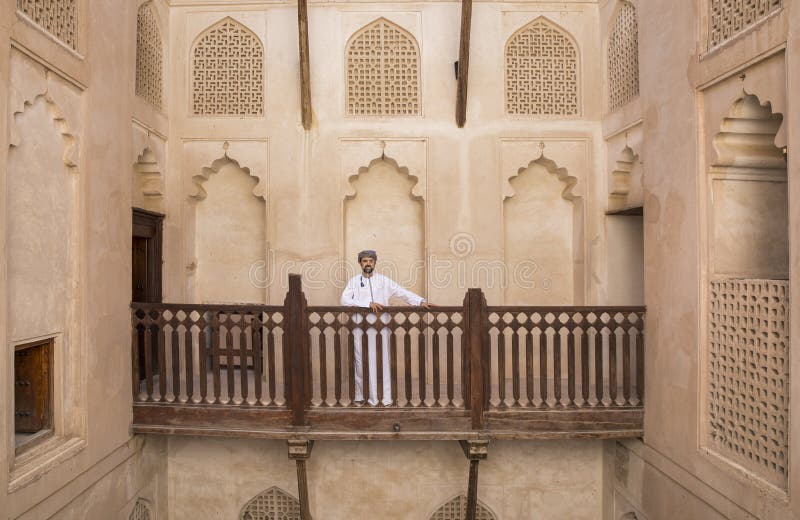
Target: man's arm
406, 295
349, 294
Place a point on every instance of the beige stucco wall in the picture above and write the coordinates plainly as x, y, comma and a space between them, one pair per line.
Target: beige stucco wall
392, 480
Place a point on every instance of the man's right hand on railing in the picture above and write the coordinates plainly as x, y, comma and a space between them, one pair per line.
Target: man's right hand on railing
376, 307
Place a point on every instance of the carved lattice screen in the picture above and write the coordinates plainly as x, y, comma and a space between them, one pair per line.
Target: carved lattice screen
58, 17
541, 71
228, 72
456, 509
748, 375
729, 17
383, 72
623, 57
141, 510
149, 57
272, 504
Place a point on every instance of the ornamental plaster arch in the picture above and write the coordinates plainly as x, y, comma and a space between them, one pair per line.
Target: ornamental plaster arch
455, 507
621, 178
271, 501
207, 171
19, 105
610, 26
550, 165
351, 192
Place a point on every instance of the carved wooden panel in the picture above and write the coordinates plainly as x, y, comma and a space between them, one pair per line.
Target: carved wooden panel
456, 509
58, 17
748, 375
541, 64
730, 17
141, 511
149, 57
623, 57
272, 504
383, 74
228, 72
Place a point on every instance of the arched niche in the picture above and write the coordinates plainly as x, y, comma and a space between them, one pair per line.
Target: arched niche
42, 221
383, 213
148, 181
229, 233
270, 504
543, 230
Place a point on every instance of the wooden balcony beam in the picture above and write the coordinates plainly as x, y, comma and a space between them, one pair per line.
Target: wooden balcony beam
300, 452
463, 63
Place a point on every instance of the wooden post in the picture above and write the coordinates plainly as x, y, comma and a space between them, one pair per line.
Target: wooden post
475, 451
475, 314
297, 341
463, 63
300, 452
305, 74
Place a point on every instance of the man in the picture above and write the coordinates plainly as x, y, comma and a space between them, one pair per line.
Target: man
373, 290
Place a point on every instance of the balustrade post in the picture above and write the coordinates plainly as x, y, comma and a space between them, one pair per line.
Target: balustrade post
478, 354
296, 339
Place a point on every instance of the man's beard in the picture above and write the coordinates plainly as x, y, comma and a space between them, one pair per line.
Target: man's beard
367, 269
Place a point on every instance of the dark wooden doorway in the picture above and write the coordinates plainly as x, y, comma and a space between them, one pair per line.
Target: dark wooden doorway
146, 260
146, 256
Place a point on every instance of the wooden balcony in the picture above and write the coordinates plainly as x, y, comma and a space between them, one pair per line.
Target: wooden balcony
470, 372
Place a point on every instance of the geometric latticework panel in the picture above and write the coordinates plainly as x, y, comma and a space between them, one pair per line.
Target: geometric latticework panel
272, 504
456, 509
383, 75
730, 17
149, 57
541, 71
748, 375
141, 510
228, 72
623, 57
58, 17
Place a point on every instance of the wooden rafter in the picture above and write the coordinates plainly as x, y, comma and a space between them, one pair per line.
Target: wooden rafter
463, 63
305, 74
475, 451
300, 452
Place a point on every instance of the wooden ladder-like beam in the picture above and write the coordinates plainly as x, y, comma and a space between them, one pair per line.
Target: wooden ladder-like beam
475, 451
300, 452
305, 74
463, 63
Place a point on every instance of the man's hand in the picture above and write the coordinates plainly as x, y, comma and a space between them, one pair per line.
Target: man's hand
426, 305
376, 307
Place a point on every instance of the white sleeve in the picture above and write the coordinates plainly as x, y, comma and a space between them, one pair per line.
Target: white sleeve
406, 295
349, 294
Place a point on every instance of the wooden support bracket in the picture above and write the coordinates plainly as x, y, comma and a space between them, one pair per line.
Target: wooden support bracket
300, 452
475, 451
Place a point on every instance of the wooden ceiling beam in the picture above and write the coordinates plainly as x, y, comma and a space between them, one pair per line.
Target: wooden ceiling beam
305, 74
463, 63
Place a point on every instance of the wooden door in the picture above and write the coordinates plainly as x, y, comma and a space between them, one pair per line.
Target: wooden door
146, 262
33, 388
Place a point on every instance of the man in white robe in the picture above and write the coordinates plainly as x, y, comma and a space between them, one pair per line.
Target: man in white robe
373, 290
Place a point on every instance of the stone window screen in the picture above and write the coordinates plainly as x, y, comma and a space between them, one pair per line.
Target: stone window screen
748, 375
730, 17
456, 509
227, 70
149, 57
383, 72
541, 68
57, 17
141, 510
623, 57
272, 504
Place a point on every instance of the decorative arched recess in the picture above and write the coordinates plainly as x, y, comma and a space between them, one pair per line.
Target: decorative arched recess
543, 237
141, 510
542, 71
382, 67
148, 182
623, 56
621, 178
747, 355
19, 105
231, 51
149, 56
382, 212
271, 504
229, 233
456, 509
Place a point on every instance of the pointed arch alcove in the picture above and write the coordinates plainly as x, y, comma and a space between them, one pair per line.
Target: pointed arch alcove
270, 504
148, 182
746, 359
229, 233
382, 212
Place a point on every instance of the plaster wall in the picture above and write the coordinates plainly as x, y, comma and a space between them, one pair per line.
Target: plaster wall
392, 480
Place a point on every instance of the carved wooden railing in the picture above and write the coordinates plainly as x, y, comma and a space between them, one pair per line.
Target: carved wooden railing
469, 371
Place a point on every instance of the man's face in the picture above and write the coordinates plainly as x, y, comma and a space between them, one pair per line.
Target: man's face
367, 264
